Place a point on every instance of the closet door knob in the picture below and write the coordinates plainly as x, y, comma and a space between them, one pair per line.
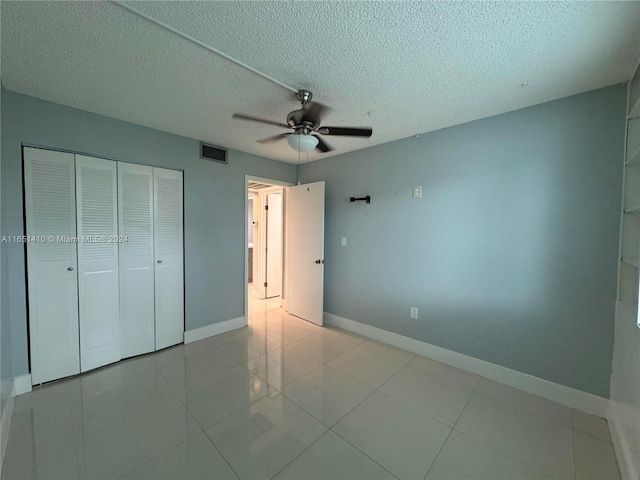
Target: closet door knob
70, 268
159, 261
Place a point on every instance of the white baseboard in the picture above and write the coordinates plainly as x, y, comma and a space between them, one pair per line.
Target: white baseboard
5, 426
21, 384
570, 397
196, 334
623, 424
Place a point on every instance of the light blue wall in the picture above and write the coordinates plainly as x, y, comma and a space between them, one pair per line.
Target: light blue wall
515, 239
214, 203
6, 370
517, 230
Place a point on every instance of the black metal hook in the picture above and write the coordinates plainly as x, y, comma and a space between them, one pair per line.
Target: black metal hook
366, 199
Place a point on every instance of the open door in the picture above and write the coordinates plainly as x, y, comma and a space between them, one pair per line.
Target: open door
305, 250
273, 247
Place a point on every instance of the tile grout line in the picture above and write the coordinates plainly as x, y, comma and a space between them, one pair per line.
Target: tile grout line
252, 373
202, 430
374, 390
412, 407
284, 344
435, 459
363, 453
320, 360
281, 392
158, 396
359, 380
391, 354
450, 432
490, 446
220, 453
137, 406
337, 421
441, 375
297, 456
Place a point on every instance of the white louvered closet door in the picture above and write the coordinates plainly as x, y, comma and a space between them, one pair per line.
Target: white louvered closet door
50, 208
96, 193
169, 262
135, 224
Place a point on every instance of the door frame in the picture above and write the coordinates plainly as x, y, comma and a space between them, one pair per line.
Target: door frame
275, 183
260, 198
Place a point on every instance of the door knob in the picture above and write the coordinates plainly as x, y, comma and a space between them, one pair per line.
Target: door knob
70, 268
319, 261
159, 261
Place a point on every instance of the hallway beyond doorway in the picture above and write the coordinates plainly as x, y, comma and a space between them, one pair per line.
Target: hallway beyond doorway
262, 305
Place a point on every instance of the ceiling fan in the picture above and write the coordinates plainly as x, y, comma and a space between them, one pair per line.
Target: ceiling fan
305, 126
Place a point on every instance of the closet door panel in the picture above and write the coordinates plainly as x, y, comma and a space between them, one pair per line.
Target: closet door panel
169, 263
135, 224
96, 193
50, 208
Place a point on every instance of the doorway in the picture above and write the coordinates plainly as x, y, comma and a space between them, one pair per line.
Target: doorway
265, 232
284, 262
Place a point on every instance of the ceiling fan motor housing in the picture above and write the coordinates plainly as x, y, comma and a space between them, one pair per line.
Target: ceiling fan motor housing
302, 120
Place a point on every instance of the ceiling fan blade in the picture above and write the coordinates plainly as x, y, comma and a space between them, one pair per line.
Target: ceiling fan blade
315, 111
346, 131
273, 138
242, 116
323, 146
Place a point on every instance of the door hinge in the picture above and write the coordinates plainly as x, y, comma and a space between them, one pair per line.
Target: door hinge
265, 284
266, 207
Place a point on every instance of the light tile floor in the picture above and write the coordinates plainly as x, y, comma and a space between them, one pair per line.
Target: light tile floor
286, 399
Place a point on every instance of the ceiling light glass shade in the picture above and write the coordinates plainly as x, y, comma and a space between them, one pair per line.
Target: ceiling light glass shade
302, 142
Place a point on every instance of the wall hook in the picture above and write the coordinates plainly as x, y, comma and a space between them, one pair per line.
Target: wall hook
366, 199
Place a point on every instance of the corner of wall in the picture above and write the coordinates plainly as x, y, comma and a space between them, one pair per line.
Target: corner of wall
626, 439
5, 424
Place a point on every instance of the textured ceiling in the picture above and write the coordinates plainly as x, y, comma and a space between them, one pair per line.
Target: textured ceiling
401, 67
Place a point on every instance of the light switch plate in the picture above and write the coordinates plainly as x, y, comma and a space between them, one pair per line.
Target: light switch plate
343, 241
417, 191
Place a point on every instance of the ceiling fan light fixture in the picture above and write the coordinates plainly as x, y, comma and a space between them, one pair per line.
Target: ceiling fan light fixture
302, 142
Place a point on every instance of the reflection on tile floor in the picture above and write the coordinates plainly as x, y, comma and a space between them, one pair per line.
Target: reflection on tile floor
286, 399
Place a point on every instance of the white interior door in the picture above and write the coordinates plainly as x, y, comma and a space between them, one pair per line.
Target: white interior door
50, 207
169, 261
305, 247
98, 302
135, 225
274, 245
258, 291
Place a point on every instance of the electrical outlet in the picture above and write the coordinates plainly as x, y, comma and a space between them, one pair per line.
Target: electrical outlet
343, 241
414, 313
417, 191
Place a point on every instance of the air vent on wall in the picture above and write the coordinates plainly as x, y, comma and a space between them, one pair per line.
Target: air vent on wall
209, 152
